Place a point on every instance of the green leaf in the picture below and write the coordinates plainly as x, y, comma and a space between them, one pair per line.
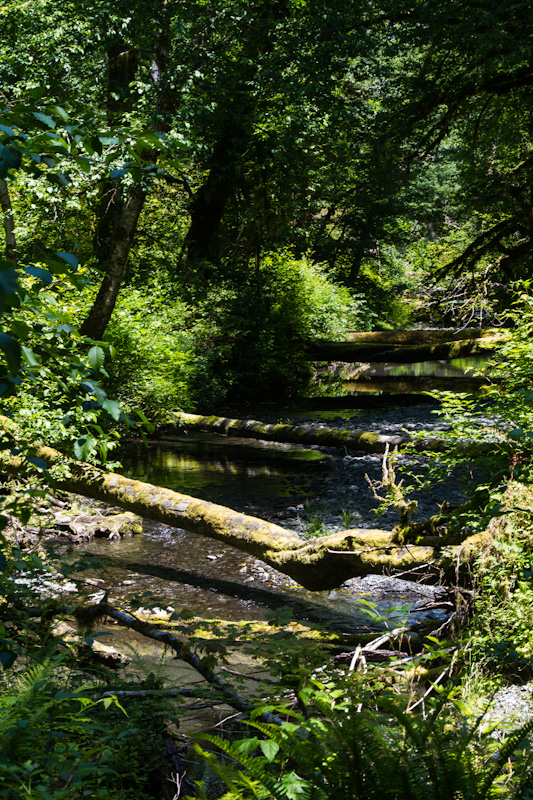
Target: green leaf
269, 749
8, 278
11, 350
113, 409
70, 258
61, 113
39, 272
7, 658
9, 159
29, 357
83, 447
85, 164
38, 462
96, 357
59, 177
45, 118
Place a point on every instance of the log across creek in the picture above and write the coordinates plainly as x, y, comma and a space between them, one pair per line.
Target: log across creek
365, 441
406, 347
321, 563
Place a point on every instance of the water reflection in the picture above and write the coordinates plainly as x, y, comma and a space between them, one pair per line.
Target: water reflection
241, 474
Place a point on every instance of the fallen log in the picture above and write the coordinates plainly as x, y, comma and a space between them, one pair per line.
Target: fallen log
321, 563
405, 384
427, 337
366, 441
398, 354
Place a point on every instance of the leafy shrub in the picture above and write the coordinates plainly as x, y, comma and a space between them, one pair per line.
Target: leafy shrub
343, 750
256, 328
150, 334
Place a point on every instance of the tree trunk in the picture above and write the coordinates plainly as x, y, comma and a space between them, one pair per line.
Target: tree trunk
126, 225
322, 563
9, 222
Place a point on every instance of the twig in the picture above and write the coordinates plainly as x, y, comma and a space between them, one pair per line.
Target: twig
434, 683
183, 653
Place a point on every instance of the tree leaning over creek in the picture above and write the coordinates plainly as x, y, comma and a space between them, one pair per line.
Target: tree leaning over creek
322, 563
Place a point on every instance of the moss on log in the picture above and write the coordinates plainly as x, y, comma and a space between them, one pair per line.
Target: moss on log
398, 353
321, 563
427, 337
366, 441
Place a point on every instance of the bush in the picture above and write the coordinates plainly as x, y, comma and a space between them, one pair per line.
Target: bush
342, 750
152, 340
256, 328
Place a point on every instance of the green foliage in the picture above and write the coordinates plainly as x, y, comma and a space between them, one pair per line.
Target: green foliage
59, 399
259, 326
56, 742
342, 748
152, 336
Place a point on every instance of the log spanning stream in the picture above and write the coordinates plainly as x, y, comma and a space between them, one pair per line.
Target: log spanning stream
307, 490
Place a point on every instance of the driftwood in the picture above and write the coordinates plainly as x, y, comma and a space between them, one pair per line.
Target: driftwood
321, 563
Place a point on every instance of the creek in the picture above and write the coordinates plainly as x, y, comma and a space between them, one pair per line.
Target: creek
309, 490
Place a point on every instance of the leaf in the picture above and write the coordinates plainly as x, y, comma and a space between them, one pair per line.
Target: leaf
59, 177
85, 164
269, 749
38, 462
9, 159
113, 409
5, 129
118, 173
109, 140
45, 118
70, 258
29, 357
7, 658
61, 113
8, 278
84, 446
11, 350
39, 272
96, 357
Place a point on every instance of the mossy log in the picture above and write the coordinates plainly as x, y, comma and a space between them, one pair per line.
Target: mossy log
417, 383
427, 337
366, 441
398, 353
322, 563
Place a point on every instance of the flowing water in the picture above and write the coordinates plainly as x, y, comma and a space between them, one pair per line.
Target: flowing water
172, 570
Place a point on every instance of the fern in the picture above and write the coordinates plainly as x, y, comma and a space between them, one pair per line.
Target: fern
339, 753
